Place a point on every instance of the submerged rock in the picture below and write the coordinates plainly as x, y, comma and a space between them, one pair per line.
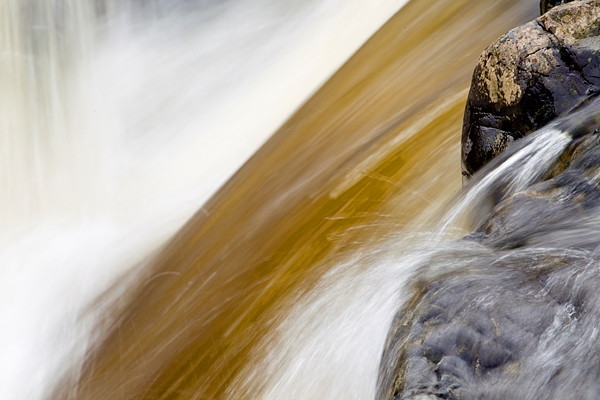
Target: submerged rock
517, 326
516, 302
536, 72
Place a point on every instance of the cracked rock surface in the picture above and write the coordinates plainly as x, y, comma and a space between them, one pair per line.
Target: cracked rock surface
533, 74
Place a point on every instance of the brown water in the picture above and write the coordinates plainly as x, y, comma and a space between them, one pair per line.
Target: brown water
374, 152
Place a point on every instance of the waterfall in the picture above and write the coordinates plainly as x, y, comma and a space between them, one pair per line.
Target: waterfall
118, 120
240, 199
330, 342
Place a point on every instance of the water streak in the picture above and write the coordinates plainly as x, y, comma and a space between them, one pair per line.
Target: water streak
514, 171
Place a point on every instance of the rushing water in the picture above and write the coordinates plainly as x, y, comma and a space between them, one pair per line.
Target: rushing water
511, 310
119, 120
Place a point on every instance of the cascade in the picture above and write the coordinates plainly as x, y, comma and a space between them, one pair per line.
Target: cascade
118, 120
238, 199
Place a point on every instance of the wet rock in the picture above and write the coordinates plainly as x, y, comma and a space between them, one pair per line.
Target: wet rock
496, 311
536, 72
518, 306
477, 327
559, 206
419, 376
514, 311
454, 371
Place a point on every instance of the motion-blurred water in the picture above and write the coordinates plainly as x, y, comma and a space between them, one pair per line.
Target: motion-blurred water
118, 120
198, 202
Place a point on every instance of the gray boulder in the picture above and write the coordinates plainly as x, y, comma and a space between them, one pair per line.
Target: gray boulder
544, 69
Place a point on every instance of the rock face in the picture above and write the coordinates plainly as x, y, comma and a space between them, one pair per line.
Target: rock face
536, 72
457, 344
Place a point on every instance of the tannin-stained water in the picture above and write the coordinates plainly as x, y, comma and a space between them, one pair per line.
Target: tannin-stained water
285, 282
118, 120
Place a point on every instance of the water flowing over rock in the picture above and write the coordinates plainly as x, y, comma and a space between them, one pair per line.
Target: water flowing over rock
513, 309
536, 72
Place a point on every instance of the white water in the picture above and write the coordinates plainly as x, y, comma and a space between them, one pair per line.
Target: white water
114, 129
330, 345
511, 174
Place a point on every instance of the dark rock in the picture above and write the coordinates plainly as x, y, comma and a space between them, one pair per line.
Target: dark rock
476, 344
455, 339
560, 205
454, 370
419, 376
546, 5
536, 72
